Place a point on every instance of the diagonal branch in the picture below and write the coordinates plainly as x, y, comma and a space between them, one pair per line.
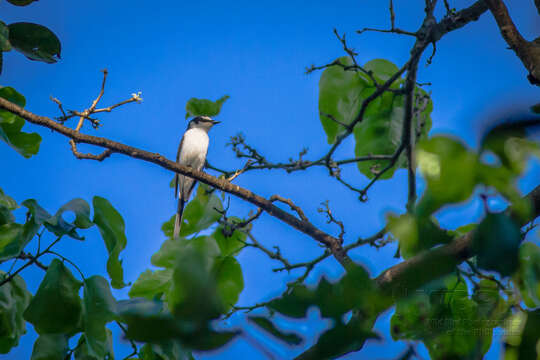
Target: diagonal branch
527, 51
333, 243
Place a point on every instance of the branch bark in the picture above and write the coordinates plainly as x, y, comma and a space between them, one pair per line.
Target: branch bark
411, 274
527, 51
331, 242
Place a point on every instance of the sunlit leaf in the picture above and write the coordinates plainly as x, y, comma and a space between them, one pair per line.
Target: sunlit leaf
14, 298
204, 107
35, 41
229, 245
522, 336
151, 283
4, 37
112, 229
56, 307
340, 96
416, 234
527, 277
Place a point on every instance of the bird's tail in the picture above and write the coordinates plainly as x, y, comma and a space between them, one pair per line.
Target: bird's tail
178, 219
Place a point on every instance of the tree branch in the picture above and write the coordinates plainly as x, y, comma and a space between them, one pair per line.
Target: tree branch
333, 243
527, 51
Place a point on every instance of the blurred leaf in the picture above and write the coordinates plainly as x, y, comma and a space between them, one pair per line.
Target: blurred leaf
267, 325
83, 351
151, 283
521, 342
416, 234
112, 229
496, 242
149, 321
172, 249
57, 225
355, 290
14, 298
527, 278
204, 107
194, 293
21, 2
35, 41
490, 303
536, 108
462, 230
50, 347
450, 172
26, 144
7, 205
340, 95
56, 307
166, 350
4, 37
442, 315
229, 279
99, 308
341, 339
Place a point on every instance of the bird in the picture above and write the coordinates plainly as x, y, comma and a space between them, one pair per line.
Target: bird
191, 152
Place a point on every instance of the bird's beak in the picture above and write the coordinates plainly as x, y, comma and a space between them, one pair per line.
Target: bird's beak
214, 122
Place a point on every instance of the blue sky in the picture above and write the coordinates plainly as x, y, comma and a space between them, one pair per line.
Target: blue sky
256, 52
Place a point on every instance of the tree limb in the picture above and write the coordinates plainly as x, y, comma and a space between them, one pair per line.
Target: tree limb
333, 243
527, 51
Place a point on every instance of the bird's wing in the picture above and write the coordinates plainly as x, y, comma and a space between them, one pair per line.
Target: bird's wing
176, 177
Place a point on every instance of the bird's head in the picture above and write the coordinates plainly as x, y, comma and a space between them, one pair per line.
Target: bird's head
202, 122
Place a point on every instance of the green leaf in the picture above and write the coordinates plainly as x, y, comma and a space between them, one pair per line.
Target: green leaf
267, 325
7, 205
200, 213
496, 242
380, 134
229, 245
522, 337
382, 69
536, 108
151, 283
173, 249
56, 307
21, 2
26, 144
57, 225
14, 298
4, 37
229, 279
99, 308
342, 339
84, 352
112, 229
204, 107
149, 321
450, 172
35, 41
194, 294
527, 277
442, 315
14, 237
355, 290
50, 347
340, 96
416, 234
12, 95
165, 350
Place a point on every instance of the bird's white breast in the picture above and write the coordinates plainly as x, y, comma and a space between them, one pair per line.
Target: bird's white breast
194, 148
